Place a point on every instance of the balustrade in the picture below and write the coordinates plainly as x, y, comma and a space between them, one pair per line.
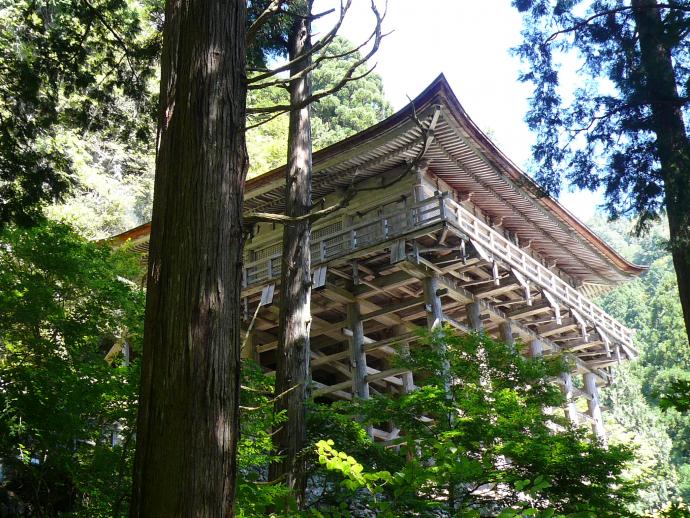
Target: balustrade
337, 239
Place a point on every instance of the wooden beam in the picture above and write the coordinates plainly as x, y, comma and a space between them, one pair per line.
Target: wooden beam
383, 283
385, 374
507, 284
567, 324
401, 306
460, 294
323, 390
381, 344
528, 311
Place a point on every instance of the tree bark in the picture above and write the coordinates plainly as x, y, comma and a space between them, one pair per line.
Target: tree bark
189, 408
295, 293
672, 139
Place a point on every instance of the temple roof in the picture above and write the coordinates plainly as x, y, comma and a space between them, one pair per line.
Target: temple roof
466, 159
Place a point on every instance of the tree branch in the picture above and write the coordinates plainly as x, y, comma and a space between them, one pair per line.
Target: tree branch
352, 191
273, 8
270, 401
282, 108
121, 42
346, 78
616, 10
315, 63
259, 217
264, 121
322, 43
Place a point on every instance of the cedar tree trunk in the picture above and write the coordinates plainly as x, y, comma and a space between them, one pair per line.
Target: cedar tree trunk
672, 140
189, 409
292, 372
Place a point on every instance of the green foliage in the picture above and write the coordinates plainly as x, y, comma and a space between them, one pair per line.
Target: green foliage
672, 510
66, 415
354, 476
489, 446
677, 394
254, 450
85, 66
650, 305
113, 186
357, 106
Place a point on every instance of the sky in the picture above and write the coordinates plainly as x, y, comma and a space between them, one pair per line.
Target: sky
469, 42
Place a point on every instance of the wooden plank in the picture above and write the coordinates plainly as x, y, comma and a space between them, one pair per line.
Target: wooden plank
401, 306
528, 311
385, 374
381, 344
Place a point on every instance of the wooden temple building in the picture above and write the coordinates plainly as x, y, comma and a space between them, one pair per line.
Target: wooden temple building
462, 237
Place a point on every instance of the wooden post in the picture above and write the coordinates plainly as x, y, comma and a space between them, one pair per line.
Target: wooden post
434, 320
358, 357
570, 410
506, 331
419, 170
536, 348
249, 351
407, 377
434, 310
474, 316
594, 410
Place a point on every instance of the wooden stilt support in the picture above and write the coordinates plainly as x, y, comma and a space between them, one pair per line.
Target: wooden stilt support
434, 319
358, 358
570, 410
407, 377
432, 303
593, 408
434, 310
536, 348
249, 351
474, 316
506, 330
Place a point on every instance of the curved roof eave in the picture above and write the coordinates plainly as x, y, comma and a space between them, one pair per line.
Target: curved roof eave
439, 91
516, 174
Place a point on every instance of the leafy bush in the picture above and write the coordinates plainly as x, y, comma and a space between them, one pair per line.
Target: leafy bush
66, 414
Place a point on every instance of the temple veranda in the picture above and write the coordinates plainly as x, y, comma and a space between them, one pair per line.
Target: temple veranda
452, 232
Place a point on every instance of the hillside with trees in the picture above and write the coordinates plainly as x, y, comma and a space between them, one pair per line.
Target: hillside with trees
113, 181
650, 305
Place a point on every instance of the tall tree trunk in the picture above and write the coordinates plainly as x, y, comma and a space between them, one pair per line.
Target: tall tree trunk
672, 140
292, 371
189, 409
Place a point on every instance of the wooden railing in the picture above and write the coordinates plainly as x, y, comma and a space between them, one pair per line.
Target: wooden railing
507, 252
337, 239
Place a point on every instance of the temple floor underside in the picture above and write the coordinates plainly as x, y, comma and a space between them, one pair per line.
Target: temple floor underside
378, 277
